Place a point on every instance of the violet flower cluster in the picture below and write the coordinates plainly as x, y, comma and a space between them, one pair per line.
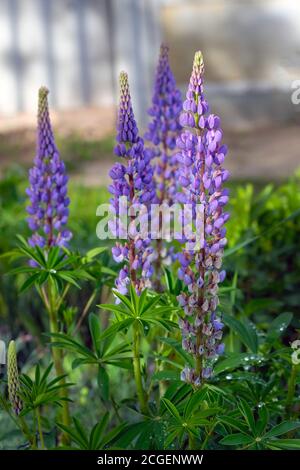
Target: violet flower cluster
201, 156
133, 179
164, 126
162, 131
48, 209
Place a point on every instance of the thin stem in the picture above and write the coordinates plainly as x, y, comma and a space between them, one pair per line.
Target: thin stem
84, 312
137, 371
291, 389
192, 442
62, 297
58, 360
208, 435
40, 430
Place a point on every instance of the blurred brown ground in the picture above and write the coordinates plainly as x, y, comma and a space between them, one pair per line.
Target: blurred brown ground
268, 153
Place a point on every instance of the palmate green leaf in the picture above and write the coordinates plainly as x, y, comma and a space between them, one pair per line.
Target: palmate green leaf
282, 428
67, 276
167, 360
116, 309
278, 325
234, 360
120, 348
149, 306
115, 328
97, 432
177, 392
124, 363
81, 362
172, 409
284, 444
53, 257
103, 383
24, 270
76, 438
63, 341
247, 413
194, 402
245, 331
95, 330
95, 252
112, 436
29, 282
262, 421
124, 301
81, 431
158, 312
168, 280
233, 423
236, 439
108, 271
172, 435
166, 375
129, 433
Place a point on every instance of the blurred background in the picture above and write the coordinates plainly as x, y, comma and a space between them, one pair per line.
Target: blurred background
78, 47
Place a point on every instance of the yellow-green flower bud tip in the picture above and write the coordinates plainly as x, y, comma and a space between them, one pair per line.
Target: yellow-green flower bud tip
198, 59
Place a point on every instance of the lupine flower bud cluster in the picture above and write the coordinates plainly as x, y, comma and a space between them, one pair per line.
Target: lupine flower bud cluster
201, 155
164, 126
48, 208
13, 378
133, 179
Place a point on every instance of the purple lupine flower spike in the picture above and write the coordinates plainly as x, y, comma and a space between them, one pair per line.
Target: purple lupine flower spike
162, 132
48, 209
200, 157
133, 179
164, 126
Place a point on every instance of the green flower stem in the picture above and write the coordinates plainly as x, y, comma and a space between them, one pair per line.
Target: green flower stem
208, 435
40, 430
192, 442
291, 389
58, 359
25, 430
137, 371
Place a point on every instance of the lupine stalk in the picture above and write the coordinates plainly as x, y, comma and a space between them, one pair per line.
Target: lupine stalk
48, 208
201, 177
133, 179
162, 131
13, 379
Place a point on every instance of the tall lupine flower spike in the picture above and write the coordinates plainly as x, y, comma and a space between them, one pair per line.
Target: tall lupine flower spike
48, 208
201, 157
133, 179
13, 378
162, 132
164, 126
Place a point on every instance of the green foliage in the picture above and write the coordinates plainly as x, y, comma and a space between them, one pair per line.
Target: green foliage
41, 391
252, 401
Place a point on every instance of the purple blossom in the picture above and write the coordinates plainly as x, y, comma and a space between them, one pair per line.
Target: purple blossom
48, 208
201, 154
162, 132
164, 126
133, 179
